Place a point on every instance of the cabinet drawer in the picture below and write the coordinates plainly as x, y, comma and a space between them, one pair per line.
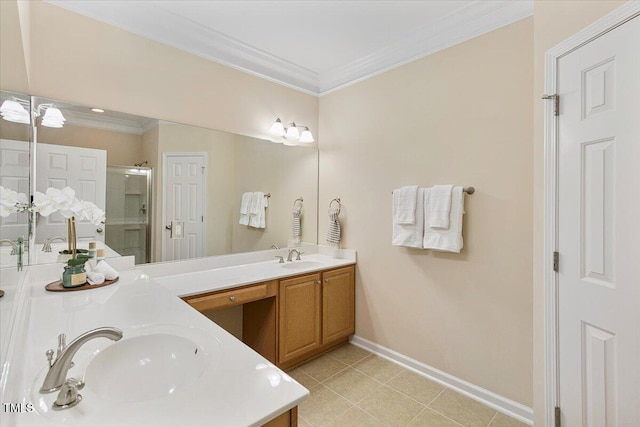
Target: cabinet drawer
232, 297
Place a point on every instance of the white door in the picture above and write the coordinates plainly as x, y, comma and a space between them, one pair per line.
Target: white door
14, 175
183, 207
599, 231
84, 170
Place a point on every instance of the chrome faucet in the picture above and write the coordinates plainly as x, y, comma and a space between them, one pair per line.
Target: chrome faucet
290, 256
56, 378
17, 248
47, 243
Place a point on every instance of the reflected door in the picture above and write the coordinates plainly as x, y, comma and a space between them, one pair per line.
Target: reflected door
84, 170
14, 161
599, 231
183, 208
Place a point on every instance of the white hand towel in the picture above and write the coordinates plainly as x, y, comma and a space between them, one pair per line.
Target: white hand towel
446, 240
109, 272
439, 206
334, 232
259, 219
404, 205
244, 208
95, 278
256, 200
410, 235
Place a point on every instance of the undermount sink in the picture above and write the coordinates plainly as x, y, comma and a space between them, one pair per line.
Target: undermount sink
145, 367
299, 265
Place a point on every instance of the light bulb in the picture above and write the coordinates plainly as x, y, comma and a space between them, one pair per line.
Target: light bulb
292, 132
306, 136
277, 129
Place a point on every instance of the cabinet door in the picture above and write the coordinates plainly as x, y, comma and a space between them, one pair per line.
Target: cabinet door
338, 304
300, 310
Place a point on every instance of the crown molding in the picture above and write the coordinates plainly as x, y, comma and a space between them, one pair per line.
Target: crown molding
93, 121
152, 21
472, 21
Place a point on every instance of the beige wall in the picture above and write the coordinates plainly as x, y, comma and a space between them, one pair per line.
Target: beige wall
81, 60
554, 22
122, 148
13, 68
462, 116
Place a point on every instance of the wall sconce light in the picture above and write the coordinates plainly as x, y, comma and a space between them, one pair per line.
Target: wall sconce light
12, 110
52, 118
291, 133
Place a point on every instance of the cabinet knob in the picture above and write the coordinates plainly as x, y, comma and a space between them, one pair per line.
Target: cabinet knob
318, 282
326, 280
232, 298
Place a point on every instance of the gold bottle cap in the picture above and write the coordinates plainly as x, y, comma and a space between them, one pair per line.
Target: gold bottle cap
92, 245
100, 253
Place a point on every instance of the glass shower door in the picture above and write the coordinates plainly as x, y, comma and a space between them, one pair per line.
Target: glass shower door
128, 211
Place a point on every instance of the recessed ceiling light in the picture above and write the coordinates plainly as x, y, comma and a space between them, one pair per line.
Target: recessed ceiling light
97, 110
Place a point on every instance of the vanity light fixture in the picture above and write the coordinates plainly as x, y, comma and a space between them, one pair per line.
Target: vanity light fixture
13, 111
291, 133
97, 110
53, 117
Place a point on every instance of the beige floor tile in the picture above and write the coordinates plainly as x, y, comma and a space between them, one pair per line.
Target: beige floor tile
462, 409
303, 378
415, 386
391, 407
323, 367
352, 384
428, 418
302, 422
322, 406
349, 354
355, 417
378, 368
501, 420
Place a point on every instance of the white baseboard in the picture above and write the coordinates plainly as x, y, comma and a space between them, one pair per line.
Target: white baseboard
493, 400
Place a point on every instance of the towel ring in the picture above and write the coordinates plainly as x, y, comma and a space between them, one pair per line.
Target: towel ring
337, 200
299, 199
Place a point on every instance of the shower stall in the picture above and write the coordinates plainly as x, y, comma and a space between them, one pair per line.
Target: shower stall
128, 211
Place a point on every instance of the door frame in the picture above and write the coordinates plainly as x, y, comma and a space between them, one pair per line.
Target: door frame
165, 159
607, 23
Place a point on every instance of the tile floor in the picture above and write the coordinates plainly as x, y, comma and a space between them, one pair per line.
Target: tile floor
351, 387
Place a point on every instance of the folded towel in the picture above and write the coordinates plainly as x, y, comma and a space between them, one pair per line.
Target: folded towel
109, 272
244, 208
297, 230
449, 240
410, 235
95, 278
439, 206
258, 220
404, 205
256, 200
334, 232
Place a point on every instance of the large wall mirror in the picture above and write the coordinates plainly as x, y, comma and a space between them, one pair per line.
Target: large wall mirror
170, 191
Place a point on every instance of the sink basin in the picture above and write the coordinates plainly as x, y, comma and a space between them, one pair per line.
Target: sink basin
299, 265
145, 367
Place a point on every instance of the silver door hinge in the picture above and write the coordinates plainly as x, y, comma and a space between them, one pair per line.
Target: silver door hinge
556, 101
557, 418
556, 261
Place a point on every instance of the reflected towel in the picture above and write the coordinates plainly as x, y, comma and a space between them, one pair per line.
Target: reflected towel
259, 219
297, 230
410, 235
439, 206
446, 240
244, 208
404, 204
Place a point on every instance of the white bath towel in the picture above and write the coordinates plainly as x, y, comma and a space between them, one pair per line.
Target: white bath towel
244, 208
439, 206
449, 240
256, 200
334, 232
258, 220
404, 205
109, 272
410, 235
95, 278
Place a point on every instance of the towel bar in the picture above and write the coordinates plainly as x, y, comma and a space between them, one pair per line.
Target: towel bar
468, 190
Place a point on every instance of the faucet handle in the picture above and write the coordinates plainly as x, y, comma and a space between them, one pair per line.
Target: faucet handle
49, 354
68, 396
281, 259
62, 343
298, 257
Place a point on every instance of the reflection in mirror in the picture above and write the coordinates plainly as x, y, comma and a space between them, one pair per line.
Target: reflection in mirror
14, 173
171, 191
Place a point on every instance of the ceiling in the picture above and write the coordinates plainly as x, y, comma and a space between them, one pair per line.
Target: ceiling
313, 46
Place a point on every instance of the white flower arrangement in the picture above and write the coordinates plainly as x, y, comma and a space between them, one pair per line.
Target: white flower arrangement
52, 200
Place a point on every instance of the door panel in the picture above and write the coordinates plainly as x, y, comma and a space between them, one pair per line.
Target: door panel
599, 232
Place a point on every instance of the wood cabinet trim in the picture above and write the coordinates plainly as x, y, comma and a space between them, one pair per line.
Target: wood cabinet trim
231, 297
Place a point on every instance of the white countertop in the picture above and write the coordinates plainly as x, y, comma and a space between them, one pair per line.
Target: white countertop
238, 387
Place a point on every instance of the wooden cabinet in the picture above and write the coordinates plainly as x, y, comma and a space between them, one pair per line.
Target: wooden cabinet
317, 311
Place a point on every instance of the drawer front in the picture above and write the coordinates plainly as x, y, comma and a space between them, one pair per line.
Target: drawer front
230, 297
